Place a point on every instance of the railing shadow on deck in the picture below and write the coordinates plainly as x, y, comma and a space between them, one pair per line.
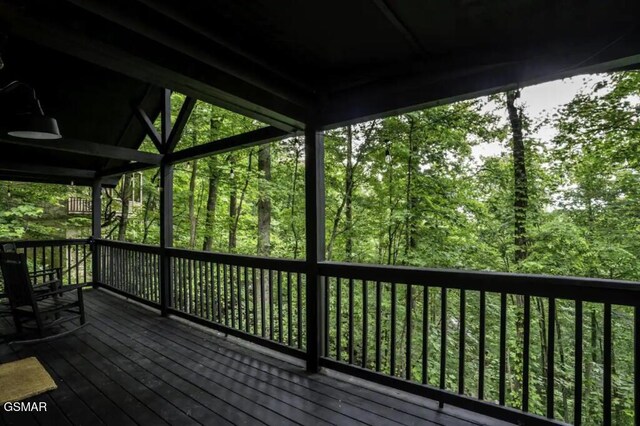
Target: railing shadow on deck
367, 330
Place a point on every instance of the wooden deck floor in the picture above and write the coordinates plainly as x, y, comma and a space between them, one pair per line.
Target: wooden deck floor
130, 366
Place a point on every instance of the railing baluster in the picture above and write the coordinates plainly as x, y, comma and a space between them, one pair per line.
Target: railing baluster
378, 324
607, 365
246, 299
636, 360
525, 353
207, 292
254, 300
365, 322
232, 294
338, 319
289, 307
193, 286
34, 260
481, 343
44, 259
174, 280
186, 285
179, 283
327, 315
462, 337
425, 335
60, 261
299, 311
271, 316
443, 340
239, 284
202, 288
69, 264
218, 294
392, 341
226, 295
350, 335
279, 306
409, 325
262, 303
503, 349
577, 406
551, 358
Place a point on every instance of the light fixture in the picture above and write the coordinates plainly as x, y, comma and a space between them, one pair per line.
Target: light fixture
31, 123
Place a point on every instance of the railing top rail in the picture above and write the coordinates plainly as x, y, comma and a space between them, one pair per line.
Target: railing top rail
574, 288
46, 243
278, 264
146, 248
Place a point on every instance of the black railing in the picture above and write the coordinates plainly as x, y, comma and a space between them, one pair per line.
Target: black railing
467, 314
71, 258
130, 269
78, 205
488, 342
259, 299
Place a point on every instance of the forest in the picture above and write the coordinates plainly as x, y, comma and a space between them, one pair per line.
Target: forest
413, 190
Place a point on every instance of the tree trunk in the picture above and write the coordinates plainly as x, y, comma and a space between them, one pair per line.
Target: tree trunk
232, 204
520, 203
125, 196
264, 200
192, 212
212, 198
521, 197
235, 204
294, 230
410, 226
348, 194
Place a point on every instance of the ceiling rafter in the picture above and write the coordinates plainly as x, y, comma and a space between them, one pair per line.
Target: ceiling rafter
243, 140
85, 148
149, 128
393, 18
181, 121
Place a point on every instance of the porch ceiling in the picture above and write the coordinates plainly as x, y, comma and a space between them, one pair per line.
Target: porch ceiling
286, 63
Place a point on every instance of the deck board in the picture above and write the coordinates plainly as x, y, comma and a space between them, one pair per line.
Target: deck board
130, 366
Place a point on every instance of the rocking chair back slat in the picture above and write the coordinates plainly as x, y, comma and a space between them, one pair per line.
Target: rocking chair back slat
8, 248
16, 277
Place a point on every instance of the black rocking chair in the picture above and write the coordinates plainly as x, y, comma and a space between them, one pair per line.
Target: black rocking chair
43, 309
51, 279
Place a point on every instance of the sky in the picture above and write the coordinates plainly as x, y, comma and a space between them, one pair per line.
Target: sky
538, 101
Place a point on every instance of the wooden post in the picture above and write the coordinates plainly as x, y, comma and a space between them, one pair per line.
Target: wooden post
96, 229
315, 242
166, 208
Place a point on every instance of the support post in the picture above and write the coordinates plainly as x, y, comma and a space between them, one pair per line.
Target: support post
96, 229
166, 208
315, 242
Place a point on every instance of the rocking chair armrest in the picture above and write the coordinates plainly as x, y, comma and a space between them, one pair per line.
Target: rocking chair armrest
45, 272
50, 285
61, 290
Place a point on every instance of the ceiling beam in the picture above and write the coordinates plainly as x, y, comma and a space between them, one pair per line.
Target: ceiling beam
84, 148
146, 21
12, 177
424, 86
74, 31
11, 167
179, 125
177, 13
232, 143
127, 168
391, 16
